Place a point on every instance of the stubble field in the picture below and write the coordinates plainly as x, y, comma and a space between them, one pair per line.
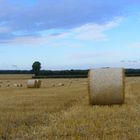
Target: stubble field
63, 112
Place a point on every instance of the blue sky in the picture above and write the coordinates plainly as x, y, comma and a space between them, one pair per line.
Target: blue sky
69, 34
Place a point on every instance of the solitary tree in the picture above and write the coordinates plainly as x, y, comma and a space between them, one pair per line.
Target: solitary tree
36, 68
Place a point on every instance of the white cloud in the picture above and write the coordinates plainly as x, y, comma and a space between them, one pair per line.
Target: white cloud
95, 31
29, 41
87, 32
92, 31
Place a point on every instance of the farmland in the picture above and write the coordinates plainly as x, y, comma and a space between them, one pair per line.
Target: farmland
63, 112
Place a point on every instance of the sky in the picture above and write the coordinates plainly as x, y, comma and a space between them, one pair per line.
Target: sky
69, 34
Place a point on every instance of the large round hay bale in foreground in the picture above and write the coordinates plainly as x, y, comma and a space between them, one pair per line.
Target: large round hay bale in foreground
33, 83
106, 86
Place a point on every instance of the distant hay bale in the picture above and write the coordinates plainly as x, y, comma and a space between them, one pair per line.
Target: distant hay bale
20, 85
33, 83
17, 85
38, 83
60, 84
106, 86
8, 85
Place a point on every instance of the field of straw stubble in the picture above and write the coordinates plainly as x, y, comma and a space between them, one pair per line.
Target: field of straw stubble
63, 112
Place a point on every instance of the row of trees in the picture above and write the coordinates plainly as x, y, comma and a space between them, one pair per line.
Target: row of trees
36, 69
72, 73
57, 74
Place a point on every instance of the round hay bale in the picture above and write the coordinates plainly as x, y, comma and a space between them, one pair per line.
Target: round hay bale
106, 86
60, 84
15, 85
32, 83
8, 85
38, 83
20, 85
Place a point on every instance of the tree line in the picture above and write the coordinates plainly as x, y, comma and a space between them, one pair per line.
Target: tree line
64, 73
38, 73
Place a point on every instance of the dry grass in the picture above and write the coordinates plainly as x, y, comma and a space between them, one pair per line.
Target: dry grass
64, 113
15, 76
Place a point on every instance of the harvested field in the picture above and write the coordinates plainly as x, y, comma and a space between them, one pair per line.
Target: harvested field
15, 76
63, 112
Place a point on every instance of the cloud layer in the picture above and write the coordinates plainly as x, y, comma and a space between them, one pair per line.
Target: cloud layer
18, 19
87, 32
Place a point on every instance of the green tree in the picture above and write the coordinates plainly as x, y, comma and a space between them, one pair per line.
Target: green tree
36, 68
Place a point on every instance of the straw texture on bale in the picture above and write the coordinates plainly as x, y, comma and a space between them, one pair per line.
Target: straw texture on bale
33, 83
106, 86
